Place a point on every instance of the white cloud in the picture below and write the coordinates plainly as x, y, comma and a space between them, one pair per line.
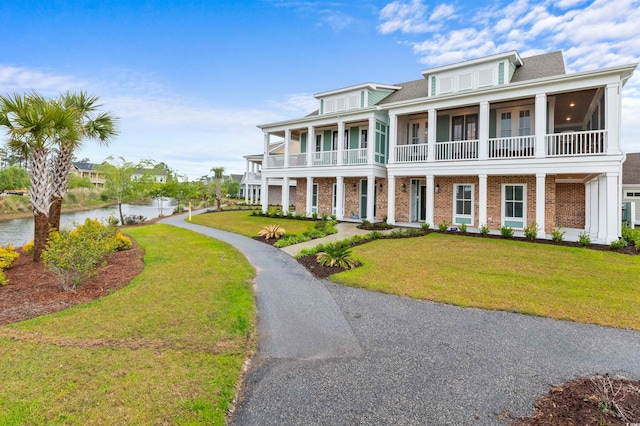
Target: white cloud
20, 80
442, 12
406, 17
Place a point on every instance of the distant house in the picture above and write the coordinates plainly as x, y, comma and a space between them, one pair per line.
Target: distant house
631, 189
89, 170
160, 175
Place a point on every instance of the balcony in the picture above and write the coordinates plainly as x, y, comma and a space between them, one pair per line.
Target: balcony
325, 158
570, 144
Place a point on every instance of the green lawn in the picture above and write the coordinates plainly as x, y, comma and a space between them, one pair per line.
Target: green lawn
241, 222
558, 282
167, 349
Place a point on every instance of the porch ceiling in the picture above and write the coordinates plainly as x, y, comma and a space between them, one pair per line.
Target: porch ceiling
563, 109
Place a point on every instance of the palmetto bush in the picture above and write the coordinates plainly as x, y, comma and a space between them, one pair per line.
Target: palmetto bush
337, 255
271, 231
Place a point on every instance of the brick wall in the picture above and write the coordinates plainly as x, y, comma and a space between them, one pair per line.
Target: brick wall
402, 199
381, 198
494, 198
550, 204
351, 197
325, 194
301, 195
443, 200
570, 205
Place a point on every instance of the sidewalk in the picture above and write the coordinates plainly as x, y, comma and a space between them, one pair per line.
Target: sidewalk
345, 230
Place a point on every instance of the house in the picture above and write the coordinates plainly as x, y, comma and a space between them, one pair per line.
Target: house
89, 170
631, 189
495, 141
251, 183
157, 174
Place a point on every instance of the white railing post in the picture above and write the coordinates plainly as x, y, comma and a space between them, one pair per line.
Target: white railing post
431, 136
393, 137
483, 149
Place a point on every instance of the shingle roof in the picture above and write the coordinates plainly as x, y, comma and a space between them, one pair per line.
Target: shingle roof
410, 90
84, 166
533, 67
539, 66
631, 169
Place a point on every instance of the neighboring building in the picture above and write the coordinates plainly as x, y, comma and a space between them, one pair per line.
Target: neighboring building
251, 184
158, 174
497, 141
89, 170
631, 189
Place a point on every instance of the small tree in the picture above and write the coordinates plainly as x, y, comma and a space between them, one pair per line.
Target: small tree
120, 182
13, 177
217, 173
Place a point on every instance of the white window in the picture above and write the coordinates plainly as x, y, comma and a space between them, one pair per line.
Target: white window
314, 199
514, 205
632, 194
318, 143
364, 134
505, 125
346, 138
415, 133
334, 141
517, 121
463, 204
464, 127
525, 123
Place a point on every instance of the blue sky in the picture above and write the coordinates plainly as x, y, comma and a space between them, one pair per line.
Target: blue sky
190, 80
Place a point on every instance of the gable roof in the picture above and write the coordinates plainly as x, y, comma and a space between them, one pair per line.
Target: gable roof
545, 65
84, 166
631, 169
533, 67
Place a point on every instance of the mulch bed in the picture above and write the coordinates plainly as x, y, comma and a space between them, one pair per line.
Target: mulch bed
33, 290
600, 400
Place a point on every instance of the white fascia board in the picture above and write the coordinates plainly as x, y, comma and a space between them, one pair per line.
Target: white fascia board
319, 120
512, 56
372, 86
327, 172
554, 84
550, 166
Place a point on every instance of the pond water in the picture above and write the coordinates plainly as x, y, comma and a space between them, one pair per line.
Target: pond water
20, 231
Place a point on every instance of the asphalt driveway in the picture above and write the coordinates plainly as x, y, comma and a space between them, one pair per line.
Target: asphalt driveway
335, 355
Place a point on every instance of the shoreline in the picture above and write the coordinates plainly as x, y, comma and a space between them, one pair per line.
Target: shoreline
20, 215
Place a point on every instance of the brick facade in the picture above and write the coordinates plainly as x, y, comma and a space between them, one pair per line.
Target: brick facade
570, 210
301, 195
443, 200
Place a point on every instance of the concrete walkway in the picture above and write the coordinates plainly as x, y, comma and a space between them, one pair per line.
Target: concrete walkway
345, 230
329, 354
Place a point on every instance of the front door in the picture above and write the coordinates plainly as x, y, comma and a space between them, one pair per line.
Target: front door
418, 201
363, 199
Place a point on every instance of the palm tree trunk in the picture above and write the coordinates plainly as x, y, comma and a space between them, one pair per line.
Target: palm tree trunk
59, 182
40, 194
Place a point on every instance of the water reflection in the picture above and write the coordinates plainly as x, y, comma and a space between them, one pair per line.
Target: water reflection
20, 231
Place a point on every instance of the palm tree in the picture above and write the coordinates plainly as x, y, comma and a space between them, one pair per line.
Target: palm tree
35, 126
91, 124
217, 173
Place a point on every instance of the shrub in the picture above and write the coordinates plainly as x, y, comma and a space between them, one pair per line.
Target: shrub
28, 248
483, 230
3, 279
531, 231
463, 228
584, 239
618, 244
557, 236
8, 255
443, 226
375, 235
113, 221
121, 242
271, 231
314, 216
632, 236
133, 219
425, 226
337, 255
506, 232
365, 223
73, 255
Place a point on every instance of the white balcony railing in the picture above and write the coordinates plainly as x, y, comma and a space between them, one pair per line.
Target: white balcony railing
354, 156
512, 147
457, 150
577, 143
251, 177
324, 158
275, 161
298, 160
411, 153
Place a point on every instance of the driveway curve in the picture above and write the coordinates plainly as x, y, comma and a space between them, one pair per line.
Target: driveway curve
330, 354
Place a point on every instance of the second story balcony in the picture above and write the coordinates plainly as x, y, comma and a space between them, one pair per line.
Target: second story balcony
348, 157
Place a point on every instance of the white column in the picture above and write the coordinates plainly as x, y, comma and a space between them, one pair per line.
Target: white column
430, 200
371, 143
309, 196
391, 200
482, 200
614, 209
541, 125
339, 197
311, 145
612, 118
264, 195
246, 192
594, 207
602, 206
431, 137
483, 144
287, 143
371, 188
340, 147
393, 140
587, 207
285, 194
540, 203
266, 150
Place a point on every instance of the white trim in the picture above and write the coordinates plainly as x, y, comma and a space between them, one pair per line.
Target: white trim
524, 205
454, 215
